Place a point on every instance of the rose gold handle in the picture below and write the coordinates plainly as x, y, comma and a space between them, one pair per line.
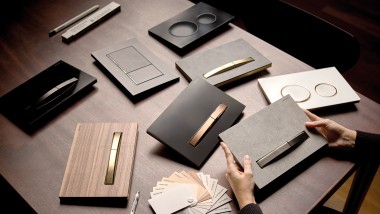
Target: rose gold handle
219, 110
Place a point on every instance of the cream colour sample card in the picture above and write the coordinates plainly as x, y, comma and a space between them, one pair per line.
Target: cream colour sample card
189, 192
310, 89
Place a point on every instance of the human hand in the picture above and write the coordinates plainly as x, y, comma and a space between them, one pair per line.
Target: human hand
240, 181
336, 135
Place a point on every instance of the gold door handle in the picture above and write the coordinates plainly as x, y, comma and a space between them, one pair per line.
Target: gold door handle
112, 161
227, 67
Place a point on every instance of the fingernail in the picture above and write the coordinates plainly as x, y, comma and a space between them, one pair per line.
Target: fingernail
247, 157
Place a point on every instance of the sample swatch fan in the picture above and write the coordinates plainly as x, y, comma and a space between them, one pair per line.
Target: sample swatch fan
188, 192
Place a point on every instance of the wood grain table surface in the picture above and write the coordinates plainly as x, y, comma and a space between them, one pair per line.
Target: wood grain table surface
34, 163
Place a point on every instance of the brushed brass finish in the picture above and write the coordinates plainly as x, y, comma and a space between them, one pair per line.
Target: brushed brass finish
112, 162
227, 67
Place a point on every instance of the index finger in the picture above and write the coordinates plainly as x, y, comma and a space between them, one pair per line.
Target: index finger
227, 153
311, 116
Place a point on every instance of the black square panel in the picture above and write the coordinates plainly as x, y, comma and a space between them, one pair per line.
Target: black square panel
185, 119
190, 25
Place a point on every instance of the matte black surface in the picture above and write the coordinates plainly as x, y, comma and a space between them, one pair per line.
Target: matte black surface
186, 114
28, 104
190, 25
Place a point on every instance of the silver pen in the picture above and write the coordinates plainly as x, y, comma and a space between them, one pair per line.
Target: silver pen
134, 205
71, 21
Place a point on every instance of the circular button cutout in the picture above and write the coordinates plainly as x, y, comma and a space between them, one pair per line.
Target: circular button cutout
182, 29
206, 18
297, 92
325, 90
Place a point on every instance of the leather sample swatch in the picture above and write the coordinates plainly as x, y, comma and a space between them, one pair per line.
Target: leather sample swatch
266, 131
135, 67
30, 104
100, 165
191, 25
199, 107
199, 64
312, 89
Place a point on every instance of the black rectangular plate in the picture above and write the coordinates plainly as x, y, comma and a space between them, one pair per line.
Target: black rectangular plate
23, 104
190, 25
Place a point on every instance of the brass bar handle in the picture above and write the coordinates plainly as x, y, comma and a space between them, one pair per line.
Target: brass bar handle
215, 115
112, 161
227, 67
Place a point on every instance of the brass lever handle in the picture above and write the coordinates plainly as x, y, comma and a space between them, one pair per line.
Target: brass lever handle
112, 161
227, 67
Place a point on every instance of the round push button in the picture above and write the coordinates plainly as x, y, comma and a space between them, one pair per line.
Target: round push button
297, 92
325, 90
182, 29
206, 18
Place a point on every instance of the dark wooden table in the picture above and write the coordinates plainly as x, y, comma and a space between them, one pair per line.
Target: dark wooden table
34, 164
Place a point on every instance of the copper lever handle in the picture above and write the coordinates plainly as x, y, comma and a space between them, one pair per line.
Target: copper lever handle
215, 115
